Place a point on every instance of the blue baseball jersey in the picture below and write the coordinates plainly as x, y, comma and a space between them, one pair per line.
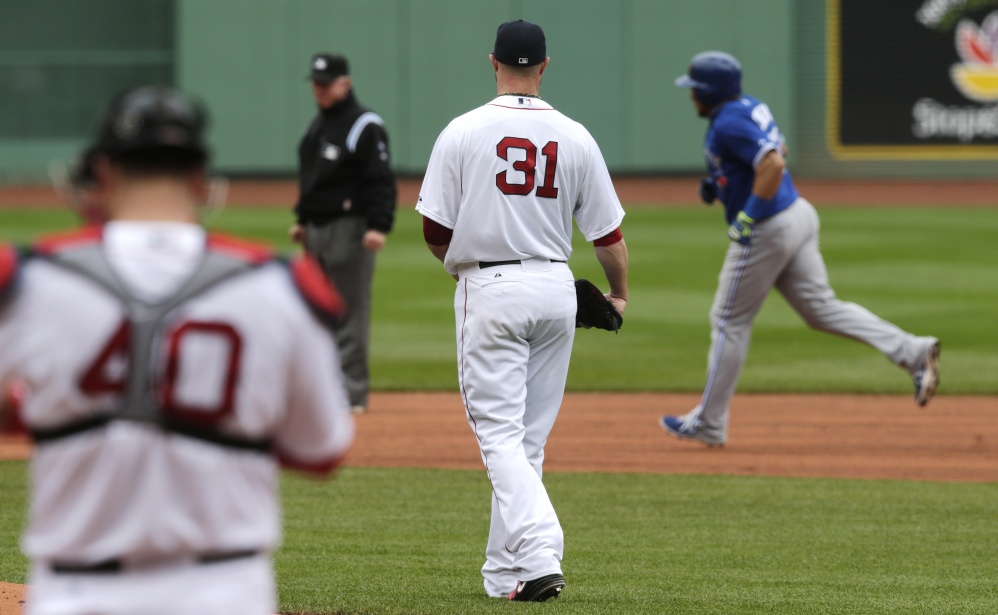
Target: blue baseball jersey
740, 134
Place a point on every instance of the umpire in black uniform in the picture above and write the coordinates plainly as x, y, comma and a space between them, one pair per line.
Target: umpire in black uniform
346, 205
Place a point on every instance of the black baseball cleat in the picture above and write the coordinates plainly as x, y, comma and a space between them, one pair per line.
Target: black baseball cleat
538, 590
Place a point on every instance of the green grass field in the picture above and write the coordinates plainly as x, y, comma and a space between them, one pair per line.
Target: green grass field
411, 541
930, 271
378, 541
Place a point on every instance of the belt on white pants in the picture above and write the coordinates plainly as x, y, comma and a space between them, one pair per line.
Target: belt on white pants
526, 264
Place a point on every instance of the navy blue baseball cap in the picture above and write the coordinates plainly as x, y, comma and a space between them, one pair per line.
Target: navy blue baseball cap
520, 43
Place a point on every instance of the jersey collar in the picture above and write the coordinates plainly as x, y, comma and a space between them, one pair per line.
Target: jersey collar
513, 101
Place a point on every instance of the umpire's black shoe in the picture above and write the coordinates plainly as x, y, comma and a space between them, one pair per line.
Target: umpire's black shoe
538, 590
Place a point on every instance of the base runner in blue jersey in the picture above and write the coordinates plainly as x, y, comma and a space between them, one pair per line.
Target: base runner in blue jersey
774, 234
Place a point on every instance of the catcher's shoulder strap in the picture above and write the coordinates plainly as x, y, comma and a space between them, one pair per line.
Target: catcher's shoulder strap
83, 254
316, 289
222, 260
311, 282
55, 243
249, 252
12, 258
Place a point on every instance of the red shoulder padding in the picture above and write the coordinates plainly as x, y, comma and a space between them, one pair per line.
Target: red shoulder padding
9, 264
57, 242
317, 290
249, 251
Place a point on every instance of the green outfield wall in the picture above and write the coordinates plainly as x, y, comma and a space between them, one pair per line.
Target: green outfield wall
420, 63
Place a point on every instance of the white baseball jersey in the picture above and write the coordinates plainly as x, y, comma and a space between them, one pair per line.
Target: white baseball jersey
488, 159
508, 178
241, 372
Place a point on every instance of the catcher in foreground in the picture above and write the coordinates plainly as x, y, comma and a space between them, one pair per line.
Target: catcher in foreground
594, 308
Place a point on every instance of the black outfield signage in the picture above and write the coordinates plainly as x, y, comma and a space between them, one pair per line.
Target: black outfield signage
912, 79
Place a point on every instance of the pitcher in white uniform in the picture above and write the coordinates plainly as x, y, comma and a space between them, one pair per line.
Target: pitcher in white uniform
167, 372
502, 186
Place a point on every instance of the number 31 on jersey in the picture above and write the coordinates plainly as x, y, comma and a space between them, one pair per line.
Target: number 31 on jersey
506, 149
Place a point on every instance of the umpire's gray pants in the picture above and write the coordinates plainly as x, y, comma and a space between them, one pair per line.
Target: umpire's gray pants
338, 246
784, 254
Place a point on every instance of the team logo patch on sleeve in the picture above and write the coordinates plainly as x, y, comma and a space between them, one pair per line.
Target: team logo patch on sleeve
319, 292
330, 151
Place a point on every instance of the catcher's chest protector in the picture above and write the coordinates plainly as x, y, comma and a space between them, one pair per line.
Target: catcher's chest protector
145, 323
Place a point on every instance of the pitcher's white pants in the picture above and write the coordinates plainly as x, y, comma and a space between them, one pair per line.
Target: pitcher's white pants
515, 328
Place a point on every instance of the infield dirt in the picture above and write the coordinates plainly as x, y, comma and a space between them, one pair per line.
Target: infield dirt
282, 193
846, 436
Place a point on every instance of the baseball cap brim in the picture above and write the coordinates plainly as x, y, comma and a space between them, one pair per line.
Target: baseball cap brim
321, 78
684, 81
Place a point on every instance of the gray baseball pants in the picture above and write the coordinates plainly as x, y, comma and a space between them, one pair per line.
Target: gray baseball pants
783, 254
338, 246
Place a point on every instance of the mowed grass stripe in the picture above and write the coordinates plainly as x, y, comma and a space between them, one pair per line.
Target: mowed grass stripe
928, 270
380, 541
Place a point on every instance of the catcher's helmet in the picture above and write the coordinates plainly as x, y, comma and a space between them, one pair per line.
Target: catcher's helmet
152, 118
715, 77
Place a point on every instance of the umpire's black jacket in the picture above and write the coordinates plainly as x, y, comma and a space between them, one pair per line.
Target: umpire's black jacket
344, 168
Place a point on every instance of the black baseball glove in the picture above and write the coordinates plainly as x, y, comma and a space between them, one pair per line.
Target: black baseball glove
594, 309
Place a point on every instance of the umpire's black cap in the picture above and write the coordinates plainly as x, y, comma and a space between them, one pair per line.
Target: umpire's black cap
327, 67
520, 43
153, 118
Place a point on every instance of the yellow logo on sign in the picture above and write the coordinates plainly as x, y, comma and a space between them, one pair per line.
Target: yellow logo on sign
977, 76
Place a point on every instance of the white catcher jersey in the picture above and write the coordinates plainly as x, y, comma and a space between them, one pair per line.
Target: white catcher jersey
509, 176
246, 360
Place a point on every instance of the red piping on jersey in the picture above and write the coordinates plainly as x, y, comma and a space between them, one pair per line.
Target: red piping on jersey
57, 242
9, 263
467, 407
248, 251
610, 238
317, 290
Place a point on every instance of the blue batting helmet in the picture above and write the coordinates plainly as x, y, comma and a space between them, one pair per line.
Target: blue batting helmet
715, 77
